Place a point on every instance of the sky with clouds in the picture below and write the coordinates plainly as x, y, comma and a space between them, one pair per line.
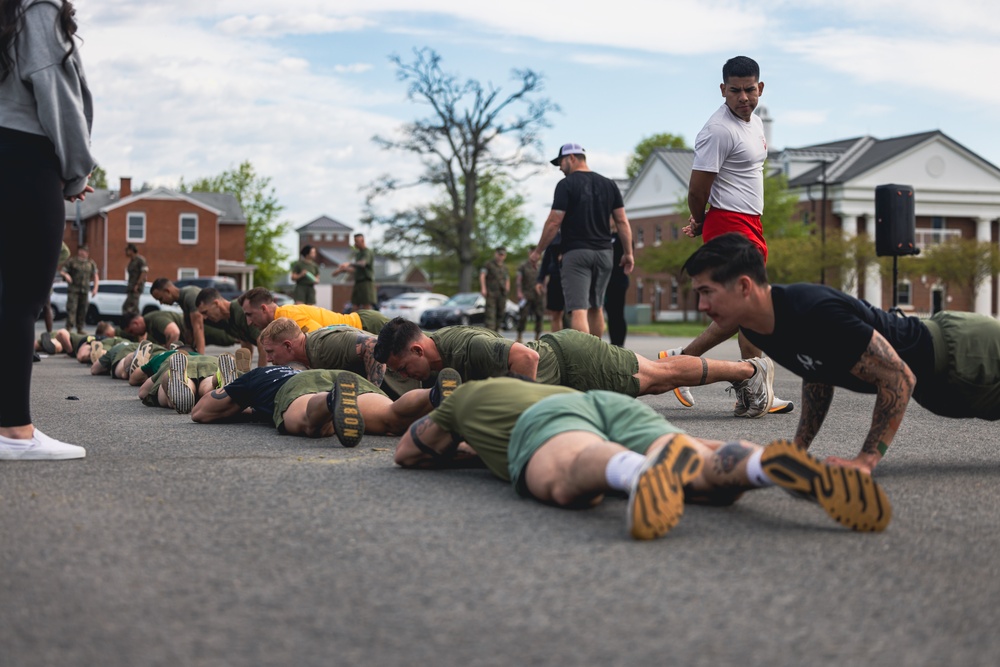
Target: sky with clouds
189, 88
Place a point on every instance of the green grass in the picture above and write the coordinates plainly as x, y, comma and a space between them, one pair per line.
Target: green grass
673, 329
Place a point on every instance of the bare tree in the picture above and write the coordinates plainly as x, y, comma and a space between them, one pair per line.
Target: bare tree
473, 131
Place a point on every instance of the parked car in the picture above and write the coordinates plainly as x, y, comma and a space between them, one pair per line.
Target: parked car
411, 305
228, 287
465, 308
107, 305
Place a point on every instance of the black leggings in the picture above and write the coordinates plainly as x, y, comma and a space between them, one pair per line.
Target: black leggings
32, 222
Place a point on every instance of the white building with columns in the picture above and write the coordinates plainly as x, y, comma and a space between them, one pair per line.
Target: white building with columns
956, 193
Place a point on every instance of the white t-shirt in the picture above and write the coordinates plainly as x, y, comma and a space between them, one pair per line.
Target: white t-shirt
735, 151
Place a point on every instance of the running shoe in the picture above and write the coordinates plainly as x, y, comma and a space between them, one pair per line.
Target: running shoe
141, 356
348, 422
755, 395
850, 496
177, 384
448, 380
227, 369
683, 394
656, 500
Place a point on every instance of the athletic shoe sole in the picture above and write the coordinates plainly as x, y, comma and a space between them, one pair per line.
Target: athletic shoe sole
448, 380
851, 497
780, 409
684, 396
96, 352
348, 423
242, 356
227, 369
177, 384
141, 356
656, 502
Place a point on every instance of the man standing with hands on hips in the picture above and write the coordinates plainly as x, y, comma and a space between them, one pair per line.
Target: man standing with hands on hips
584, 208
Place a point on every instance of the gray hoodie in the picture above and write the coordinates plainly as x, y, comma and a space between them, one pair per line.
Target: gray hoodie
42, 96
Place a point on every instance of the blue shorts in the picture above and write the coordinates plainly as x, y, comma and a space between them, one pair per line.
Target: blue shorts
257, 388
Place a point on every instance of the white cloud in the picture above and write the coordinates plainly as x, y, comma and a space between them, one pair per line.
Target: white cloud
353, 68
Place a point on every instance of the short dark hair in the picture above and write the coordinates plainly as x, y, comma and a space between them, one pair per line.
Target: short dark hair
159, 283
207, 295
501, 249
396, 335
131, 246
359, 234
728, 257
739, 67
127, 319
306, 249
256, 297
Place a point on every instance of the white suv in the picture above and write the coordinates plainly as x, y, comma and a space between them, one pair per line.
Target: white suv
107, 305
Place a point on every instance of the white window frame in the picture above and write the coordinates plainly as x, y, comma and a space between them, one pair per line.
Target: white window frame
640, 237
908, 284
180, 229
128, 227
185, 272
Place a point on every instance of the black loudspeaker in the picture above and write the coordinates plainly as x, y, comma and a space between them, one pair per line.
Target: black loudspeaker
895, 221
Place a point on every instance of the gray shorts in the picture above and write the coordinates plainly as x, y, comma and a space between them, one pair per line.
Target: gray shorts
585, 275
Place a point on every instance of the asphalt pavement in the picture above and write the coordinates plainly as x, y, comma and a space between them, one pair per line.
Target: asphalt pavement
175, 543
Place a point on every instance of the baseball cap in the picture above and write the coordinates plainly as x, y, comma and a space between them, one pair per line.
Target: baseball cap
568, 149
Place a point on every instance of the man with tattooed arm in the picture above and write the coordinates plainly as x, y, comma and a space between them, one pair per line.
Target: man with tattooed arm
949, 364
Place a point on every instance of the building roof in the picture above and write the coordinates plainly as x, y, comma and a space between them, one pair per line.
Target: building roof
849, 158
100, 200
324, 224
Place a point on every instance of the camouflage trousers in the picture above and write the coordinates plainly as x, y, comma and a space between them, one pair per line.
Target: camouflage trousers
76, 309
496, 309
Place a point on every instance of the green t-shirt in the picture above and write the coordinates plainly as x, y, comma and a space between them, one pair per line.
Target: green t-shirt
187, 301
306, 265
476, 353
237, 325
335, 348
157, 322
366, 273
484, 415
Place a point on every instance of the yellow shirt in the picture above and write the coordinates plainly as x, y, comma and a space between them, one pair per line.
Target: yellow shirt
311, 318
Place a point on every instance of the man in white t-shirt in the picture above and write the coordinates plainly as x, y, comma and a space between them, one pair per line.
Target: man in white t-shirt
728, 175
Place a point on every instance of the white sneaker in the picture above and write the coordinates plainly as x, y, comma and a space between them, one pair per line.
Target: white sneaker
683, 394
39, 447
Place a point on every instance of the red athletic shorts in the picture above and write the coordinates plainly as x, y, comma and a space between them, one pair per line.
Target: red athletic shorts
719, 222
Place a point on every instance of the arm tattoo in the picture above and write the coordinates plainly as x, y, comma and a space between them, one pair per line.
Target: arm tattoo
374, 371
219, 394
882, 367
816, 399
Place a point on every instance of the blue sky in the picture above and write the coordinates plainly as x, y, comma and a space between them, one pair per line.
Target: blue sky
190, 88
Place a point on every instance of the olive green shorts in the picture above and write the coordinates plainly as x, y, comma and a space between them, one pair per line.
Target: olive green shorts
199, 367
316, 381
611, 416
586, 362
966, 380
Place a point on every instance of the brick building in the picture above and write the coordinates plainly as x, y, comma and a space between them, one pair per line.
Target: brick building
181, 235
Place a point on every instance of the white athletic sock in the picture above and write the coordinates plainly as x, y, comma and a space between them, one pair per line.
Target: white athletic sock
622, 470
755, 473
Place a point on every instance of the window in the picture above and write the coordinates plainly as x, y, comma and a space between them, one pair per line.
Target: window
658, 235
317, 237
640, 296
188, 228
327, 237
675, 294
136, 228
184, 273
675, 233
639, 238
904, 293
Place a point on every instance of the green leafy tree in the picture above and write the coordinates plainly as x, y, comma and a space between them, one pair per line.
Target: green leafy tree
961, 264
669, 258
473, 129
645, 148
98, 178
261, 209
499, 222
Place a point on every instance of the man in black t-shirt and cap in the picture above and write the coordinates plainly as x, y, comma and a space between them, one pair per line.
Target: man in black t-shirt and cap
584, 208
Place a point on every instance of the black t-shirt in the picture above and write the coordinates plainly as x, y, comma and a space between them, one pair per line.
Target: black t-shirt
820, 333
588, 200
